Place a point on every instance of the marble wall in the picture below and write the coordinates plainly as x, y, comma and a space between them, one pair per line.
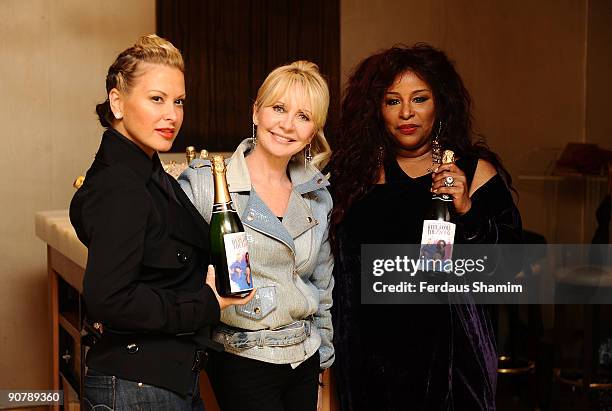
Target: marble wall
53, 60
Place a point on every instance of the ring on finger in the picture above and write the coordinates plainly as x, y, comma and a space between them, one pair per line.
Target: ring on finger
449, 181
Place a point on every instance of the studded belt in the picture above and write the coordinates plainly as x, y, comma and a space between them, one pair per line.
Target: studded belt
290, 334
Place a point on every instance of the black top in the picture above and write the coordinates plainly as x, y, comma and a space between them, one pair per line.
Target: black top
417, 357
146, 267
405, 198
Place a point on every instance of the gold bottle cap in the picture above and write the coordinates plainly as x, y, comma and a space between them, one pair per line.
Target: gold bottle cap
218, 163
448, 157
78, 182
190, 153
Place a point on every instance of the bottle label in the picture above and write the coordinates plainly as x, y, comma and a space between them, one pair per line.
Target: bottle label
223, 207
437, 246
239, 269
442, 197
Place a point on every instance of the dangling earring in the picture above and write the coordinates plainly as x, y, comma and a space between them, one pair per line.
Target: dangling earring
436, 149
253, 136
380, 158
307, 155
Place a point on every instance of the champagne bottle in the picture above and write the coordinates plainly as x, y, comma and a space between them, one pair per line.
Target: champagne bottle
228, 244
190, 153
438, 232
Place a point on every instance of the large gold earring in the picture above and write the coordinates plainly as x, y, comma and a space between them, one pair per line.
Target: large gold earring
436, 147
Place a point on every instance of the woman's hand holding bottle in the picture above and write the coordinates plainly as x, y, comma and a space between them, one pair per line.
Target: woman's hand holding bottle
450, 179
225, 302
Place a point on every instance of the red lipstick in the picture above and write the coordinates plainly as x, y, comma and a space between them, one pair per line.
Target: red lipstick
167, 133
408, 129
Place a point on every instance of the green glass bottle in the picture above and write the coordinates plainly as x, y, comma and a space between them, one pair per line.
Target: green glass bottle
229, 251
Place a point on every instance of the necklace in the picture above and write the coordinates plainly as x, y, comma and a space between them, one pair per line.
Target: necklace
420, 158
433, 167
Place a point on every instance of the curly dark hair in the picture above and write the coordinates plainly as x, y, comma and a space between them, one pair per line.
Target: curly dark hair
362, 137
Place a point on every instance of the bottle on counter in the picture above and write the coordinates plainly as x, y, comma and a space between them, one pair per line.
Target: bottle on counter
78, 182
228, 243
190, 153
438, 234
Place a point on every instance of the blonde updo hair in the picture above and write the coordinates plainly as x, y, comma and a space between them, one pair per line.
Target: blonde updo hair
123, 72
306, 76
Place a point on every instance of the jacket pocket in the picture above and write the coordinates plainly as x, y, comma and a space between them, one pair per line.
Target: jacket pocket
168, 253
262, 304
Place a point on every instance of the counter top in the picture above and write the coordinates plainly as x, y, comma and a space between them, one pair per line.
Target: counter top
54, 228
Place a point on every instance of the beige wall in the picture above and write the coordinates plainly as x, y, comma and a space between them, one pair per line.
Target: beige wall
53, 59
525, 64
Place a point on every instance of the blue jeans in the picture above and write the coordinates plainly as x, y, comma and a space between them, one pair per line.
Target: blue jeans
109, 393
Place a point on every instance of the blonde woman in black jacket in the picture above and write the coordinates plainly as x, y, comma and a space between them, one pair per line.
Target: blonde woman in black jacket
146, 280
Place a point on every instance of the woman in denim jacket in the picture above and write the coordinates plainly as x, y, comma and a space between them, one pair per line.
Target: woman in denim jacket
277, 344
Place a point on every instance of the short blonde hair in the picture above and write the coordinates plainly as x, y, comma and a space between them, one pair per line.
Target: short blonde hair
124, 70
306, 76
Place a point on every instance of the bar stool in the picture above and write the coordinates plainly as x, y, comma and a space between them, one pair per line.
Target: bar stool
581, 284
517, 361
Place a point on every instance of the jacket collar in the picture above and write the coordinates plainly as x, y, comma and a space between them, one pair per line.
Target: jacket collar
304, 178
255, 214
118, 149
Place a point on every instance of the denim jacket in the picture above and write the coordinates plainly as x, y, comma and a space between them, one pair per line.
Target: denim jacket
291, 261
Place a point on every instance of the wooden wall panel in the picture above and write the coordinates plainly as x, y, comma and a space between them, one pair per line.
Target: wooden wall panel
230, 46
